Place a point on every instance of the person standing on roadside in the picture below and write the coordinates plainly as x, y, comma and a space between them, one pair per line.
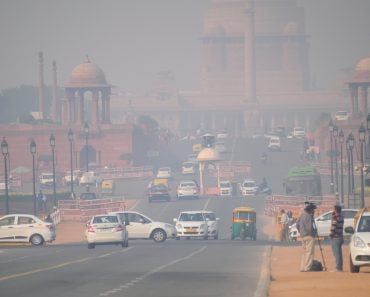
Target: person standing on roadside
307, 231
336, 236
284, 220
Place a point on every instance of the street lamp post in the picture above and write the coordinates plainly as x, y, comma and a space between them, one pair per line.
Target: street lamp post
86, 129
368, 145
351, 144
52, 145
335, 134
331, 129
361, 136
5, 151
70, 138
341, 140
33, 153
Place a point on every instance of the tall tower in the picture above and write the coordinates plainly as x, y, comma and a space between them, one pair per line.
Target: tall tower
41, 86
54, 115
249, 54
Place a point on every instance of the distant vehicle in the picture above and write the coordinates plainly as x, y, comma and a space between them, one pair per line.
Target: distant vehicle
225, 188
193, 158
197, 147
359, 246
208, 140
46, 180
106, 229
188, 168
323, 222
274, 144
164, 172
26, 228
87, 196
187, 189
107, 187
280, 131
304, 180
220, 147
342, 115
158, 193
222, 134
88, 178
249, 187
140, 226
76, 177
299, 132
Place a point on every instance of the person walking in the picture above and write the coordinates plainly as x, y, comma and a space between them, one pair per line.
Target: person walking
284, 220
336, 236
307, 231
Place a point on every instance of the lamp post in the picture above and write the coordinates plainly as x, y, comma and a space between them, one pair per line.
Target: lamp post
368, 145
52, 145
335, 134
5, 151
361, 137
341, 140
33, 153
86, 129
331, 129
70, 138
351, 144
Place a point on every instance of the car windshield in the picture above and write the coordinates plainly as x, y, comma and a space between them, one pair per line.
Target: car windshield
189, 184
105, 219
210, 216
249, 184
194, 217
364, 224
224, 184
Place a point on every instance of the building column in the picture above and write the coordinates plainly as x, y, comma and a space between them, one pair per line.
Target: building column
80, 107
352, 98
95, 107
64, 114
364, 99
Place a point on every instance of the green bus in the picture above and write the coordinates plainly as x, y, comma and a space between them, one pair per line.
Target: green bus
303, 181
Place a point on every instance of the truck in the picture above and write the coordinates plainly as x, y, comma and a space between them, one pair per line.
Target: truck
305, 180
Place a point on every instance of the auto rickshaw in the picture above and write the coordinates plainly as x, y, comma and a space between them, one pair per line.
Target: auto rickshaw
244, 223
107, 187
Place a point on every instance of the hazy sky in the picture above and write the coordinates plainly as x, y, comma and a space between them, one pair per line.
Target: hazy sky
131, 40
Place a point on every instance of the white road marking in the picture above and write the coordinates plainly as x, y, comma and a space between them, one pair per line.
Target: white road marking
157, 269
265, 274
206, 204
163, 210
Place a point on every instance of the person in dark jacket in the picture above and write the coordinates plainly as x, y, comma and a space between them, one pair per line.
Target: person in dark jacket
336, 235
307, 232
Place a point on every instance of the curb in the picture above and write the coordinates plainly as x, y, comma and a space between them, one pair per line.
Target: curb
264, 281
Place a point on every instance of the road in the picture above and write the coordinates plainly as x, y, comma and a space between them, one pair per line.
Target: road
221, 267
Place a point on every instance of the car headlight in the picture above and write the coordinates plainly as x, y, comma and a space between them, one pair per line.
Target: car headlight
179, 226
358, 242
203, 226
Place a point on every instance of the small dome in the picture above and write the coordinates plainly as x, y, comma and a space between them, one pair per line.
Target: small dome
87, 74
291, 28
362, 71
208, 154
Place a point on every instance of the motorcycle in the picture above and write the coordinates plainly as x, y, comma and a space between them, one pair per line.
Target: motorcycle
293, 233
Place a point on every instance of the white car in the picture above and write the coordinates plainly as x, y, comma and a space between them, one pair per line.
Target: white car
299, 132
249, 187
274, 144
212, 222
140, 226
164, 172
46, 179
88, 178
323, 222
342, 115
225, 188
359, 246
106, 229
191, 224
188, 168
221, 134
187, 189
26, 228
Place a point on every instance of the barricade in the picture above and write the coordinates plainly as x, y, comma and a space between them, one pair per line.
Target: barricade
126, 172
83, 210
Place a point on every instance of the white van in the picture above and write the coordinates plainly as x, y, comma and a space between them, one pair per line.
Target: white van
299, 132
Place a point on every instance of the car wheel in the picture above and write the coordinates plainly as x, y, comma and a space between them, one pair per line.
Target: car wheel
90, 246
125, 243
159, 235
353, 268
36, 239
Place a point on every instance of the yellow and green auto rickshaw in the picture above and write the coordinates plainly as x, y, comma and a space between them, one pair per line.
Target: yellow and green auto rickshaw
244, 223
107, 187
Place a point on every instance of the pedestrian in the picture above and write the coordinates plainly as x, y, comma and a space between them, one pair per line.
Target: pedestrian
39, 200
336, 236
305, 226
284, 220
43, 202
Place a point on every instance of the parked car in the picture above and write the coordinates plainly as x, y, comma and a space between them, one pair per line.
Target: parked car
106, 229
26, 228
191, 224
225, 188
249, 187
274, 144
164, 172
187, 189
158, 192
140, 226
323, 222
359, 246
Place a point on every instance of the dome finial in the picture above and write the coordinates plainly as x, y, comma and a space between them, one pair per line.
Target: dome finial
87, 58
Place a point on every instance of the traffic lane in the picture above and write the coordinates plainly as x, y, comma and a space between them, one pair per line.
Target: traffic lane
106, 271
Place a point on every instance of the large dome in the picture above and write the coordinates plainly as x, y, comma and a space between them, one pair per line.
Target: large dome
208, 154
362, 71
87, 74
